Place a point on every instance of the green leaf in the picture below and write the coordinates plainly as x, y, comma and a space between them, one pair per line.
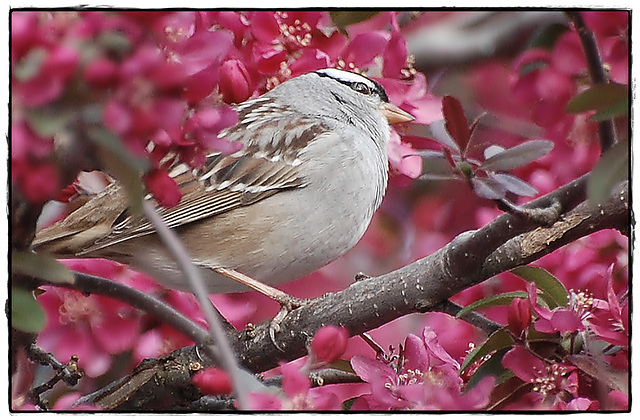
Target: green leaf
497, 341
465, 168
616, 110
598, 97
121, 164
553, 291
514, 184
41, 267
342, 19
535, 336
495, 300
29, 66
491, 367
347, 404
488, 188
343, 365
547, 36
47, 123
517, 156
114, 41
532, 66
26, 313
612, 169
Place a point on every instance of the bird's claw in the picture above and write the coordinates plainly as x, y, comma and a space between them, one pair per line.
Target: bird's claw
287, 305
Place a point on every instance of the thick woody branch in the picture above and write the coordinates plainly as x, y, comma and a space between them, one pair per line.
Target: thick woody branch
469, 251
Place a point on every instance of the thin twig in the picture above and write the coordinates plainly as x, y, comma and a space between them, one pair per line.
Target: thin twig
90, 284
598, 74
473, 318
69, 373
223, 353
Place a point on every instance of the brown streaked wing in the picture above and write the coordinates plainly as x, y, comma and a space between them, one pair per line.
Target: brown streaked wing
239, 181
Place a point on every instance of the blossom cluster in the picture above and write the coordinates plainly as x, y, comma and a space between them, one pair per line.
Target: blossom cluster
163, 81
567, 383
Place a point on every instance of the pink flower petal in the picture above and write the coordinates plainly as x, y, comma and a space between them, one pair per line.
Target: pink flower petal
523, 364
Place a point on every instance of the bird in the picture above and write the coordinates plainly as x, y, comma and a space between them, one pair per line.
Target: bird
299, 193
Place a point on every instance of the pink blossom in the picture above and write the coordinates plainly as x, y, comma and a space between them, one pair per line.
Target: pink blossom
67, 402
92, 327
618, 400
264, 402
203, 128
578, 404
163, 338
363, 48
402, 159
567, 54
24, 33
395, 56
39, 183
559, 319
163, 188
310, 60
49, 76
61, 62
264, 26
117, 117
102, 73
423, 376
610, 319
167, 87
611, 29
547, 379
298, 394
26, 144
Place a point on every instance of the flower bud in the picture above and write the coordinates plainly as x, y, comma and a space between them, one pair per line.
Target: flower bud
212, 381
235, 83
101, 73
518, 316
329, 343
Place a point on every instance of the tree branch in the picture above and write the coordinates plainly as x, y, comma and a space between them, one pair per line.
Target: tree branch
469, 36
598, 74
90, 284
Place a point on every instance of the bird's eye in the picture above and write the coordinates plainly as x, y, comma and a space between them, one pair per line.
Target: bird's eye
361, 87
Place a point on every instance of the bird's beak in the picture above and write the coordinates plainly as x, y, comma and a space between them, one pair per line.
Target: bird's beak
395, 115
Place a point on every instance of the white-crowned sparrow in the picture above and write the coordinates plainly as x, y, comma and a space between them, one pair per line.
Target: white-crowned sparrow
299, 194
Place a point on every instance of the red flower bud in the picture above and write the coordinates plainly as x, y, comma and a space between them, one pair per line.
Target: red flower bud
518, 316
212, 381
101, 73
61, 62
235, 82
329, 343
39, 183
